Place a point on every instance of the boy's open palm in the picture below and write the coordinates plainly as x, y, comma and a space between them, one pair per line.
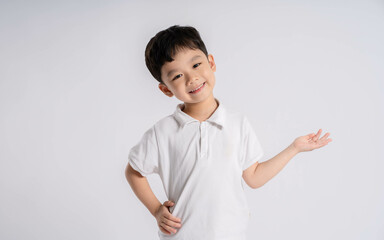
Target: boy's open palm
311, 141
165, 220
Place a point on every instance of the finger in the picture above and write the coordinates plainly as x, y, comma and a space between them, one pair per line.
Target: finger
325, 136
168, 203
167, 207
317, 135
172, 218
163, 230
172, 221
324, 142
310, 136
168, 228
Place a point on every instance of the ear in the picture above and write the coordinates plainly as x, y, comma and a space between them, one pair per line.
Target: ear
165, 89
212, 63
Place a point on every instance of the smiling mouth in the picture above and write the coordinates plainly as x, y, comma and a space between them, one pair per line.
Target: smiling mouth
198, 89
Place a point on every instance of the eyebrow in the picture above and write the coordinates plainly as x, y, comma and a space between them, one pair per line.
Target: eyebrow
174, 70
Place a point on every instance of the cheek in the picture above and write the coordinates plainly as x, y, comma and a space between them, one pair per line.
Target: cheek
213, 81
211, 76
207, 73
179, 86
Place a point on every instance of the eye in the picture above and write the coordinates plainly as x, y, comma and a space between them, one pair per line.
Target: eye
176, 77
196, 65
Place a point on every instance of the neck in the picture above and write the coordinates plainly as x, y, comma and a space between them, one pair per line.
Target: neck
202, 110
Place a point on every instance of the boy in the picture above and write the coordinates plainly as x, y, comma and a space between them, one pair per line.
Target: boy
202, 150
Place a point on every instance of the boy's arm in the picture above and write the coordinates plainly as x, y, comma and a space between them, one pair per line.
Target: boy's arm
260, 173
141, 188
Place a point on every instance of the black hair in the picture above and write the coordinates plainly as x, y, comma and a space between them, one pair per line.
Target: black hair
166, 43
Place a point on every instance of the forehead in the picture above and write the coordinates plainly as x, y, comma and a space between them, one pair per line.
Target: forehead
182, 58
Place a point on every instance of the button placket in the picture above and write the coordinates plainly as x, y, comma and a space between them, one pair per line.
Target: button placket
203, 139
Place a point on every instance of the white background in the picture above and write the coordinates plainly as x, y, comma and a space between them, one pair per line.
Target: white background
75, 96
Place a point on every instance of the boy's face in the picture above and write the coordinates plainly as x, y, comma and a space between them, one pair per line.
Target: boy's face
190, 70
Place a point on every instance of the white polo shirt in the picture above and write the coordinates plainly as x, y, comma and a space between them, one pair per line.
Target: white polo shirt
201, 167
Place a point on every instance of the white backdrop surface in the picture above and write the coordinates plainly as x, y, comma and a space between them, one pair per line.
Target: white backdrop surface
75, 96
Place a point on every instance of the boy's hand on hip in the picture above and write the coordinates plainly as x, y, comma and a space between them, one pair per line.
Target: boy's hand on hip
310, 142
165, 220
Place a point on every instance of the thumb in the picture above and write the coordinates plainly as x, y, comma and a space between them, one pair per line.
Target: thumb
168, 203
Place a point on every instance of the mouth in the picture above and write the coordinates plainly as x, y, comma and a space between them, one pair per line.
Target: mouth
198, 89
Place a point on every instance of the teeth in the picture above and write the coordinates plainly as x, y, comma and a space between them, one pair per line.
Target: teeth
198, 87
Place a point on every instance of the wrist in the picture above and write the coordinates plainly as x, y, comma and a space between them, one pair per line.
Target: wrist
155, 209
293, 148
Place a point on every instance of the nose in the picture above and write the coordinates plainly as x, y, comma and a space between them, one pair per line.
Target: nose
191, 78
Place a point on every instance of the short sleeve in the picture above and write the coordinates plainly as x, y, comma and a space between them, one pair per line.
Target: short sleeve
252, 150
144, 156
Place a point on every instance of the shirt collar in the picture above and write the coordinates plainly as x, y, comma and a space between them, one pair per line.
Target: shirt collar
218, 117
